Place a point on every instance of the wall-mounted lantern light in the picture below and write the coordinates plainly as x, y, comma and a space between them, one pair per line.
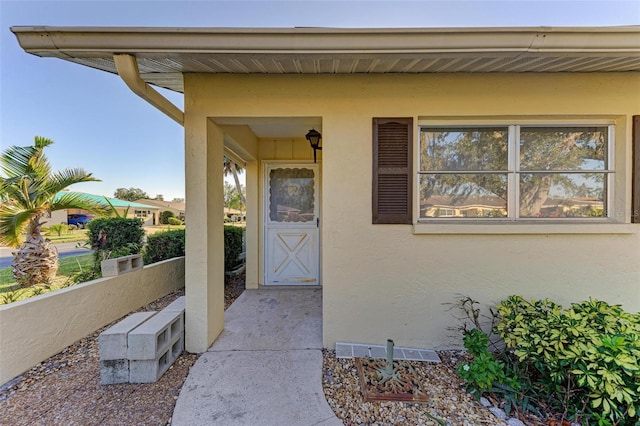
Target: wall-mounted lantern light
313, 136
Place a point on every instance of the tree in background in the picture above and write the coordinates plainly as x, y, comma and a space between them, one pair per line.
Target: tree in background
29, 192
159, 197
233, 198
178, 200
130, 194
230, 167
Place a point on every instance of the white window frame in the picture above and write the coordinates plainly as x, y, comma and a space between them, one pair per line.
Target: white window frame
513, 174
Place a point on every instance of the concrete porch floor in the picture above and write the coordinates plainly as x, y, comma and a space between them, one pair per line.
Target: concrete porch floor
265, 368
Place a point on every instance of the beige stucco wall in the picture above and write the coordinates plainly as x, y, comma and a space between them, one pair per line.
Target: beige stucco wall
393, 281
34, 329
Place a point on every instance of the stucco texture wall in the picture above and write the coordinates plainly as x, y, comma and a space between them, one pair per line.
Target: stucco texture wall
34, 329
388, 281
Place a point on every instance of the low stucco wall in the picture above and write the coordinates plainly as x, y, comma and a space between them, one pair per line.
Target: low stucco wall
34, 329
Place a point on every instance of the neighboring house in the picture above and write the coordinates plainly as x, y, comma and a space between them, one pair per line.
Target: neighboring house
178, 209
58, 216
522, 117
148, 214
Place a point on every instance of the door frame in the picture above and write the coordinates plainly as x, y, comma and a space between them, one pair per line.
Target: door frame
266, 165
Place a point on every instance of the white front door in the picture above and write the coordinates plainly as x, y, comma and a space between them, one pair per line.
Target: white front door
292, 246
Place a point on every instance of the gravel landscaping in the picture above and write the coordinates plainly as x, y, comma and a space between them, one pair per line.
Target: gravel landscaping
448, 403
66, 390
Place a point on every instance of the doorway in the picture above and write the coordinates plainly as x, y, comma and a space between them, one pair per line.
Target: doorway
292, 224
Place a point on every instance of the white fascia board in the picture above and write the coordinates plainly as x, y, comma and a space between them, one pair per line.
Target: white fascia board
94, 41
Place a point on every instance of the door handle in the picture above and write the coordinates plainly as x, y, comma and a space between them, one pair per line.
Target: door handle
317, 222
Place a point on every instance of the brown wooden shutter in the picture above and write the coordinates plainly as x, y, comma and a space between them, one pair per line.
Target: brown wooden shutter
392, 170
635, 171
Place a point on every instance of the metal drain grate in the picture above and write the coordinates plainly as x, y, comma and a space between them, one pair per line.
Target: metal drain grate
359, 350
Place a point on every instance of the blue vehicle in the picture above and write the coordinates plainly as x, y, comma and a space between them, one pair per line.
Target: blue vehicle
79, 220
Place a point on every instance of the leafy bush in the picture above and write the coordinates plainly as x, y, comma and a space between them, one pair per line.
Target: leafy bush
232, 246
583, 361
164, 245
174, 221
164, 216
484, 371
112, 237
167, 244
116, 236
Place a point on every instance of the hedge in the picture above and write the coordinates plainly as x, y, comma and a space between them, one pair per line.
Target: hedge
164, 245
168, 244
232, 246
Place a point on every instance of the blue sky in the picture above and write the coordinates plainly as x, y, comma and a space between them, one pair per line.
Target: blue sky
97, 123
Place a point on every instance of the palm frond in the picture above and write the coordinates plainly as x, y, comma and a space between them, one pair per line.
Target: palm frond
14, 161
64, 178
28, 160
42, 142
76, 200
14, 220
114, 211
14, 194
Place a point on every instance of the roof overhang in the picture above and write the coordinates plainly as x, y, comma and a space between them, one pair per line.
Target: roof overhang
165, 54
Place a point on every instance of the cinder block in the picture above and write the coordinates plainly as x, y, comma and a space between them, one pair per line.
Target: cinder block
176, 305
112, 342
149, 371
114, 371
121, 265
178, 347
153, 337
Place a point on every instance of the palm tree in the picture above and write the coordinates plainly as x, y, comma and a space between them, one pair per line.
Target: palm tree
231, 167
28, 193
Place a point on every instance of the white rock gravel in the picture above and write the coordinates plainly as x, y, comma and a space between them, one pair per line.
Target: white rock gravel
449, 404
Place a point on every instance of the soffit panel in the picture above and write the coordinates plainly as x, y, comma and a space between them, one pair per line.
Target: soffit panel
168, 72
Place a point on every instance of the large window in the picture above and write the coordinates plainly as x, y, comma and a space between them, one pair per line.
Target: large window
515, 172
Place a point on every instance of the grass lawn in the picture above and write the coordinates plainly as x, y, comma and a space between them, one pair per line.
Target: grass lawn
152, 229
67, 267
67, 236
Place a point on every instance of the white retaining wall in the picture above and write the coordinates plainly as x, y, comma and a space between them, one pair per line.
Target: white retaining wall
34, 329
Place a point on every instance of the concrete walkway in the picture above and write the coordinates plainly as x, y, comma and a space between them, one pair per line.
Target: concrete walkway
265, 368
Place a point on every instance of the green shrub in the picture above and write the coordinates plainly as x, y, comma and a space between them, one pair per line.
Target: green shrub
168, 244
116, 236
112, 237
484, 371
174, 221
232, 246
164, 216
164, 245
583, 361
58, 228
87, 275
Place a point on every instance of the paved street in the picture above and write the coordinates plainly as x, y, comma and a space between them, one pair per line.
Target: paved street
64, 250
